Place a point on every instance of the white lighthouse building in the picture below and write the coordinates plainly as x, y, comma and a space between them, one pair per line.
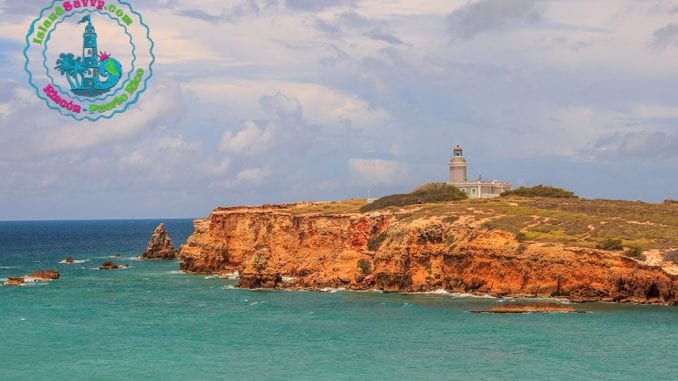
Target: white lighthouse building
474, 188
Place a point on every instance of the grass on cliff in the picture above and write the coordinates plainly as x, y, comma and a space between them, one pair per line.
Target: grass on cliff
427, 193
569, 221
335, 207
540, 191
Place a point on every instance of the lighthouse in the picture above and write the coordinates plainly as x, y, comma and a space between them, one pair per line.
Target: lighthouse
90, 59
458, 167
474, 188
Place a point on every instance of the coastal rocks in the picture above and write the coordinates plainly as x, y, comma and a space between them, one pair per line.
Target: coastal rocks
253, 281
403, 252
36, 276
15, 281
44, 275
112, 266
160, 245
517, 308
68, 260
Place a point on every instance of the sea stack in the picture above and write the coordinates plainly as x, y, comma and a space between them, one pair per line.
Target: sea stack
160, 245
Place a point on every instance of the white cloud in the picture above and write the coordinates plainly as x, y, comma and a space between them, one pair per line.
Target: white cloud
251, 140
378, 172
247, 177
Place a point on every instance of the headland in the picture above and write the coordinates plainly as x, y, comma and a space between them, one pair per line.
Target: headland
506, 246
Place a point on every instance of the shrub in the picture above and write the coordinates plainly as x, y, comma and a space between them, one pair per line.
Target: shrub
671, 256
610, 244
540, 191
671, 202
374, 242
520, 237
635, 252
365, 266
431, 192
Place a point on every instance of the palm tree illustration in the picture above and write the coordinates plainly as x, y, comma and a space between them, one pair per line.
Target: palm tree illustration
72, 68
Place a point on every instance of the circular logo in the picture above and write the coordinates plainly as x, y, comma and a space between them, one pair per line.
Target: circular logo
89, 59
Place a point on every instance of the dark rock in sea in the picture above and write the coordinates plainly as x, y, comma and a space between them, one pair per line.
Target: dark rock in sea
108, 266
260, 280
160, 245
69, 259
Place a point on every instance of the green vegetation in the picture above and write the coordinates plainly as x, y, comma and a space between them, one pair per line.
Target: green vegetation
365, 266
568, 221
540, 191
521, 237
427, 193
374, 242
335, 207
635, 252
610, 244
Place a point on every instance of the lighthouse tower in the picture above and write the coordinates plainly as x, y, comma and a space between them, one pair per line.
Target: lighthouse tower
473, 188
458, 167
90, 60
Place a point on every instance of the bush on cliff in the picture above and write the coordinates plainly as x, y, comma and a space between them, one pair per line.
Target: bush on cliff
540, 191
374, 242
636, 253
610, 244
365, 266
431, 192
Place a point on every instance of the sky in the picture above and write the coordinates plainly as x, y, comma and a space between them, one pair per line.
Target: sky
263, 101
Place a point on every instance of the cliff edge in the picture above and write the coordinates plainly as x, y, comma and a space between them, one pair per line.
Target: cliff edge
455, 246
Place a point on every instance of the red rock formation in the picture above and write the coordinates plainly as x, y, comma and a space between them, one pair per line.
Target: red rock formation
44, 275
160, 245
273, 248
36, 276
15, 281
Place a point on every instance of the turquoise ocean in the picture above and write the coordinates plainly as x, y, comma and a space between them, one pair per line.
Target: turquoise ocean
152, 322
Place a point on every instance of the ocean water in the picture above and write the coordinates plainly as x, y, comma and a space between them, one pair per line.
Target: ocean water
152, 322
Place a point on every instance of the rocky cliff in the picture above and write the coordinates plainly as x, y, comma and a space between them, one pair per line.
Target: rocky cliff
288, 246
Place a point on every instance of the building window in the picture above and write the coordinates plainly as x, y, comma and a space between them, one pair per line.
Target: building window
474, 191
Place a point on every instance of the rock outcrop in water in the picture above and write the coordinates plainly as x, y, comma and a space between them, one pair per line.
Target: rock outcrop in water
276, 246
112, 266
160, 245
36, 276
518, 308
45, 275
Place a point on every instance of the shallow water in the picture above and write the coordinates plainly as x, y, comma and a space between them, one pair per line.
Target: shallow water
152, 322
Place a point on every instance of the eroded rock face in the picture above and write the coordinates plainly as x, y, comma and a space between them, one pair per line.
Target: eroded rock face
160, 245
317, 251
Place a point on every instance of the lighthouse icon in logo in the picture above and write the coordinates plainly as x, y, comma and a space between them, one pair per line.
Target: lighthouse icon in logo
92, 74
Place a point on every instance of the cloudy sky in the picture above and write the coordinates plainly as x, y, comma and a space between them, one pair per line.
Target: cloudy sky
259, 101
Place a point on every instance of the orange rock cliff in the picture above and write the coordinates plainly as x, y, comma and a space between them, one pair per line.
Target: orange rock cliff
273, 246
